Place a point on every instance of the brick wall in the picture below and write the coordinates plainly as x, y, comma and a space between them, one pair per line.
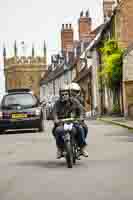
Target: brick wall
85, 23
124, 23
67, 41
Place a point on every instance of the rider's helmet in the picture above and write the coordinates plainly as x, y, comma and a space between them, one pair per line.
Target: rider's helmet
74, 89
64, 92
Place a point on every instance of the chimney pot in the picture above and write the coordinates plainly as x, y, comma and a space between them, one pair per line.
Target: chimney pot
62, 26
87, 13
81, 13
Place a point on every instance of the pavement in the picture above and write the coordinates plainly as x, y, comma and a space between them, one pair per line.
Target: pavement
121, 121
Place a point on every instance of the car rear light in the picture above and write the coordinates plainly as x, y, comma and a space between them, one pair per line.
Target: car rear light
1, 115
6, 115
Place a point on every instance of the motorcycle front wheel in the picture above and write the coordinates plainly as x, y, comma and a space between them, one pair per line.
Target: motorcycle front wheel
69, 154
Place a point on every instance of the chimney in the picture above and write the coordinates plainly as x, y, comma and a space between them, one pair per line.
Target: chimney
44, 49
15, 49
62, 26
33, 50
4, 54
108, 6
85, 23
67, 40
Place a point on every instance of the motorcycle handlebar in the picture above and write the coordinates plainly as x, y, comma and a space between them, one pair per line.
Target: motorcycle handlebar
70, 120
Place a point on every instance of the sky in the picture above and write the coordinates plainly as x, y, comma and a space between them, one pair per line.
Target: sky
34, 21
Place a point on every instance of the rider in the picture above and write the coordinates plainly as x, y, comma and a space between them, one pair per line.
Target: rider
64, 107
75, 91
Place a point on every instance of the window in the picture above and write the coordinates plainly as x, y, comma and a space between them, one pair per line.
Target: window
20, 98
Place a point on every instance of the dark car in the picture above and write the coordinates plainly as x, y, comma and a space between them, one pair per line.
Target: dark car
20, 109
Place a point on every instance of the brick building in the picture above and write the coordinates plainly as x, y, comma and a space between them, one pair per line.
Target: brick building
123, 23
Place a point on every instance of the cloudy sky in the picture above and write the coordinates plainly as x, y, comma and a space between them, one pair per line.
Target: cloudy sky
33, 21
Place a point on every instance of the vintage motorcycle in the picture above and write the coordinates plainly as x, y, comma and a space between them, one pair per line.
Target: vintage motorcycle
71, 151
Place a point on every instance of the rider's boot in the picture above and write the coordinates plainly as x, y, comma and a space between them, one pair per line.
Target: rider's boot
59, 153
83, 151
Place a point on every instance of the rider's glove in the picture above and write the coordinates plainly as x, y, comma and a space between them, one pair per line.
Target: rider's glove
81, 119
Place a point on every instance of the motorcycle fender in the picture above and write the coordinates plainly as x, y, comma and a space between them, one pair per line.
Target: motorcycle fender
66, 137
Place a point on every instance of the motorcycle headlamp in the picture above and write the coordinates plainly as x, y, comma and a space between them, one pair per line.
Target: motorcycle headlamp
37, 111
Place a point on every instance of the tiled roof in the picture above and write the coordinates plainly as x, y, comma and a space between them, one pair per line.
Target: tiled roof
83, 73
59, 70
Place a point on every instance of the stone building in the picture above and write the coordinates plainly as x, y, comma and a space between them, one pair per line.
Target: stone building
128, 81
24, 71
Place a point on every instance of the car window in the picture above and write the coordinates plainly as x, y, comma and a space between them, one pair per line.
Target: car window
21, 99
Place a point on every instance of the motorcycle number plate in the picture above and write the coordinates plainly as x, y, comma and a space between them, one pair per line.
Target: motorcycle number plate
68, 127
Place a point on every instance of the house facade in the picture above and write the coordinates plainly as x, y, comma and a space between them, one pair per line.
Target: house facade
128, 81
55, 78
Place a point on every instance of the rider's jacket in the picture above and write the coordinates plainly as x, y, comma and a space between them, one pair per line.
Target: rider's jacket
71, 108
81, 99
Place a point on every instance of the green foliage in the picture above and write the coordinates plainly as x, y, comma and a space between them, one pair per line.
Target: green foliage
111, 64
116, 108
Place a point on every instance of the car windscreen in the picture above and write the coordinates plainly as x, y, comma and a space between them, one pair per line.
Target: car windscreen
24, 100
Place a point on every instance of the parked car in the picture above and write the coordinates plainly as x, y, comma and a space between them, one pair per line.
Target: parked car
20, 109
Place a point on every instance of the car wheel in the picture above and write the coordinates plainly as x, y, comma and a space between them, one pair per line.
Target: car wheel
41, 126
2, 131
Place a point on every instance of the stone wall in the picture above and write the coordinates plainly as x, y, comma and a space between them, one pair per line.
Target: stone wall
24, 76
128, 82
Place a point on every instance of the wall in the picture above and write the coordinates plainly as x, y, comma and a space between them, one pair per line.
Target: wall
24, 72
128, 82
124, 21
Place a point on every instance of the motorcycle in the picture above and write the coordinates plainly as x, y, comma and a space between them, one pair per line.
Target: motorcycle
71, 151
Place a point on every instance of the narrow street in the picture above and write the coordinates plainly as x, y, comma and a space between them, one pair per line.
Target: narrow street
29, 169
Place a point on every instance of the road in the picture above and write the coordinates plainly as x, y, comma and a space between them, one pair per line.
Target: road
29, 170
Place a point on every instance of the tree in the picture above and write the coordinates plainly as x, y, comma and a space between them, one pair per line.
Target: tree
111, 72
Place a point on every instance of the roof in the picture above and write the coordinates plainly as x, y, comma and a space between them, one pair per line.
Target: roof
19, 90
98, 31
99, 35
54, 74
60, 68
83, 73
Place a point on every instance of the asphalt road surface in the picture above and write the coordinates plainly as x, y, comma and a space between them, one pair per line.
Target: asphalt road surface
29, 169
